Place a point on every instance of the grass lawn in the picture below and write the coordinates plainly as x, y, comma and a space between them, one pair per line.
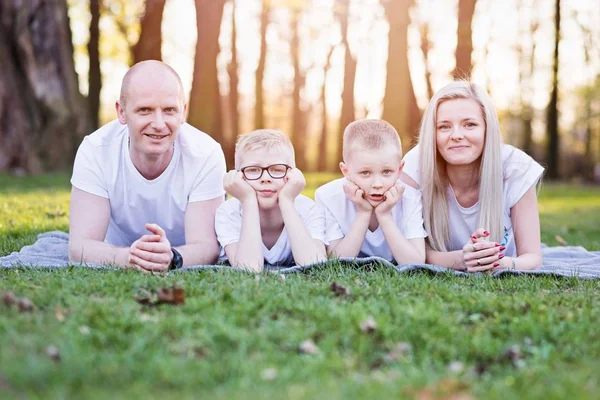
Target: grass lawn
237, 335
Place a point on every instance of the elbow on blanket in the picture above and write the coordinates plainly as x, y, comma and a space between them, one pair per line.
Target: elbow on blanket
75, 252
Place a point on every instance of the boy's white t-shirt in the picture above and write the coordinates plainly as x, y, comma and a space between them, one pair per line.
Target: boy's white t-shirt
340, 213
520, 171
103, 167
228, 225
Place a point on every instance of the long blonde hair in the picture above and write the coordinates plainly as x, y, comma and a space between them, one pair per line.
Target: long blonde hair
434, 181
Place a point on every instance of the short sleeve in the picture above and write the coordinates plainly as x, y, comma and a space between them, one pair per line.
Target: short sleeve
333, 230
521, 173
413, 208
87, 170
411, 164
228, 224
314, 220
209, 183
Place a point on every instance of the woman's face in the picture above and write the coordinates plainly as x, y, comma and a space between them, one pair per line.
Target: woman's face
460, 131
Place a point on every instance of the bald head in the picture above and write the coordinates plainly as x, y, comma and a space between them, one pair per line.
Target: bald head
147, 72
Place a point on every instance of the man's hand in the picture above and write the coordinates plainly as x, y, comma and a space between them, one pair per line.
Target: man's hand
235, 185
391, 198
357, 196
294, 183
151, 252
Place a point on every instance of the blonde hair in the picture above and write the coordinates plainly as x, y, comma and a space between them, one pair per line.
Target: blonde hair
267, 139
434, 181
371, 134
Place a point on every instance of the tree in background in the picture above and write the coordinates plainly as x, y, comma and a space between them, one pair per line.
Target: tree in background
400, 104
148, 46
323, 139
347, 115
298, 122
43, 117
553, 144
204, 105
259, 106
464, 33
95, 75
232, 70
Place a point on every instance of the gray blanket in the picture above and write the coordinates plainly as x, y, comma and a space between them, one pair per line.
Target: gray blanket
51, 251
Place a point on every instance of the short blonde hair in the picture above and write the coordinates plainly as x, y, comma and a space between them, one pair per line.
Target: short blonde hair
267, 139
371, 134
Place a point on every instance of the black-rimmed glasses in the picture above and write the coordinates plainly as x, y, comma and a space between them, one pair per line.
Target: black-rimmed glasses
276, 171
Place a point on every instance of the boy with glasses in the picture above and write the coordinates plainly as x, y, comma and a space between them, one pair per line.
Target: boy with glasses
267, 220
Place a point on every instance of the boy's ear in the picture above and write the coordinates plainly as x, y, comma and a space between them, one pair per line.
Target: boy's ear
401, 166
343, 168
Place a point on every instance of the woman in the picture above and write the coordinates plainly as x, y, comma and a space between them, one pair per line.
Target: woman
479, 195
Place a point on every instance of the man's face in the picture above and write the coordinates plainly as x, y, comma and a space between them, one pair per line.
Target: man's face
154, 111
267, 188
373, 171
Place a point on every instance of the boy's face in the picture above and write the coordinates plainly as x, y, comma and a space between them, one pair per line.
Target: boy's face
373, 171
267, 188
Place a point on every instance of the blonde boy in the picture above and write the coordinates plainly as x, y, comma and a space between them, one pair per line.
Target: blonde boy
268, 220
369, 212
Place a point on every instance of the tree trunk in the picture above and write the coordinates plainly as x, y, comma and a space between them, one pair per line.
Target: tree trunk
232, 70
43, 117
322, 157
552, 111
259, 107
399, 103
464, 33
298, 131
149, 44
425, 47
347, 115
94, 76
203, 107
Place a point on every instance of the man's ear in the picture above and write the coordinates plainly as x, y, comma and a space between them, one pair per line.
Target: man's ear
184, 114
121, 113
344, 168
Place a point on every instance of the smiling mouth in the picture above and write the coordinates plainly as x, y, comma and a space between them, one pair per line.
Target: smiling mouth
458, 147
157, 137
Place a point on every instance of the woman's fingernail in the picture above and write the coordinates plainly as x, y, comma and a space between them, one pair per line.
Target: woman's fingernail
473, 237
502, 248
497, 245
501, 255
496, 264
486, 233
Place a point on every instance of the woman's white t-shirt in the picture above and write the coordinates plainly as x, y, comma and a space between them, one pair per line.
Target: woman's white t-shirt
228, 225
520, 171
340, 213
103, 167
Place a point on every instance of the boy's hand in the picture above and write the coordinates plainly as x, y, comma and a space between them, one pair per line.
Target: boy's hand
357, 196
294, 183
392, 197
235, 185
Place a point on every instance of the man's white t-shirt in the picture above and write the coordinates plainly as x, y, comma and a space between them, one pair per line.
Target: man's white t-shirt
520, 171
228, 225
103, 167
340, 213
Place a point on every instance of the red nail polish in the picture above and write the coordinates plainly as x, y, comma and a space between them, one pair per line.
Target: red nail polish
501, 256
473, 237
502, 248
496, 264
497, 245
486, 233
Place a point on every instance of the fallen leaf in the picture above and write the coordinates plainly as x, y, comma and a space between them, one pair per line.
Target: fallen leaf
25, 305
369, 325
52, 352
339, 290
59, 314
170, 295
308, 347
561, 240
268, 374
9, 299
446, 389
282, 277
84, 330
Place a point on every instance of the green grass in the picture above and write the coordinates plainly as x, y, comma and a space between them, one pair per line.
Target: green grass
236, 329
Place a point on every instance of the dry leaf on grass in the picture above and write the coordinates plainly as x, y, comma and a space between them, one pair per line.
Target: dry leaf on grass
25, 305
170, 295
561, 240
308, 347
369, 325
60, 314
446, 389
53, 353
339, 290
9, 299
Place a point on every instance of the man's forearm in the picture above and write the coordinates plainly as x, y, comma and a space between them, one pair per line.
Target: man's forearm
97, 252
201, 253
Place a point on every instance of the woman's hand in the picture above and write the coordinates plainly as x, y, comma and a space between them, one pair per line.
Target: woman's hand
480, 255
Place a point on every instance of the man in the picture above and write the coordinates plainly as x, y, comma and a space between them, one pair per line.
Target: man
146, 187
